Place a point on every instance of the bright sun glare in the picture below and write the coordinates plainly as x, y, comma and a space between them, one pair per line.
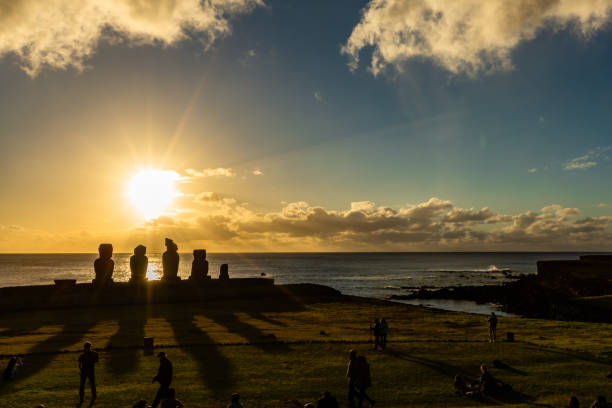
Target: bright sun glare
152, 191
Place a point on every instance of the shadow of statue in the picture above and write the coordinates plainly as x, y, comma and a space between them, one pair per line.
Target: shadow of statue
128, 337
215, 369
72, 332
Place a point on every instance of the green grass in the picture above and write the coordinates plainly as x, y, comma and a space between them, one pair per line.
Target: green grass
272, 353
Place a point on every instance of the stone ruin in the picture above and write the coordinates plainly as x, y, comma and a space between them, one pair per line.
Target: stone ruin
170, 262
199, 266
138, 265
224, 272
104, 265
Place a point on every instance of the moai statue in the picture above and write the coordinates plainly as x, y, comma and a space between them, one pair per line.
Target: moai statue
199, 267
170, 262
224, 272
104, 265
138, 265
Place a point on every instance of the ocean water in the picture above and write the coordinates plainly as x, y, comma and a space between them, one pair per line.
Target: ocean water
376, 275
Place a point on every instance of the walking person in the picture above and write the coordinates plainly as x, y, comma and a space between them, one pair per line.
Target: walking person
492, 327
352, 372
87, 362
364, 380
384, 330
163, 377
376, 333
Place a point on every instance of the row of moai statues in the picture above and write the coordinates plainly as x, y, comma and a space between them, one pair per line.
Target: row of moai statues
139, 262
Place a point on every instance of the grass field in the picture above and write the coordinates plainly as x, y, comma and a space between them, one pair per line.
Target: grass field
272, 352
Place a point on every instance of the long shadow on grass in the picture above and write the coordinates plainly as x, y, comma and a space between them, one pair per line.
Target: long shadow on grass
215, 369
129, 336
40, 355
252, 334
508, 397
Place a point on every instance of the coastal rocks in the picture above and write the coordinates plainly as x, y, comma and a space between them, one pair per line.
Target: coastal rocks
138, 265
104, 265
170, 262
199, 266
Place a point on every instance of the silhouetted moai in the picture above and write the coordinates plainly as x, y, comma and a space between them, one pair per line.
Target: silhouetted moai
224, 272
138, 265
104, 265
170, 262
199, 267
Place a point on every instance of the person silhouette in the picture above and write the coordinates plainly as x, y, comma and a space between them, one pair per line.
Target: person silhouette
87, 362
352, 373
492, 320
170, 401
163, 377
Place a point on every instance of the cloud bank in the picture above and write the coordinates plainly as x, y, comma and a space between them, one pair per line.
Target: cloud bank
464, 37
64, 33
223, 224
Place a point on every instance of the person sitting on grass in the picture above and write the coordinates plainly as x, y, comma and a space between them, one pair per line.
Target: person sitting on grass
489, 384
235, 401
170, 401
327, 401
141, 404
460, 386
601, 402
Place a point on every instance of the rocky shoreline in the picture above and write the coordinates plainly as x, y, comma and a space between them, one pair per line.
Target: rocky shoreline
561, 290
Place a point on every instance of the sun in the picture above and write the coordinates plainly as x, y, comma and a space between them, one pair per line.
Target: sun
151, 192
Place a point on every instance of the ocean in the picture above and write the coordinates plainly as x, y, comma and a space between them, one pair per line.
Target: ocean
376, 275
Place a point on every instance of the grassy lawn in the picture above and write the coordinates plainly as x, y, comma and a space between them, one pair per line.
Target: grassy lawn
273, 352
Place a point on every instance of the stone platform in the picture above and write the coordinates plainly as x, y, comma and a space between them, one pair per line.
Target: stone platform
123, 293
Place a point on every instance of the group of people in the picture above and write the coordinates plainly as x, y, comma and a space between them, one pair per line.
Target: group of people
165, 395
485, 385
380, 331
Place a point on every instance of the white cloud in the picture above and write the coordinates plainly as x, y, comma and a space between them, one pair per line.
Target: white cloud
212, 172
317, 95
533, 170
64, 33
257, 172
465, 36
591, 159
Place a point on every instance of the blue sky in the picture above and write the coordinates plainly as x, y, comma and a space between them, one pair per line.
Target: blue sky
276, 94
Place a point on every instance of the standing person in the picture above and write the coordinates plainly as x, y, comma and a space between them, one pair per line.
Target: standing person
235, 401
573, 402
384, 330
163, 377
364, 380
352, 372
492, 327
87, 362
11, 368
170, 401
376, 333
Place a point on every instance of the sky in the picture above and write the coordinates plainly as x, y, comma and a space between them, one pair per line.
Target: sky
286, 125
